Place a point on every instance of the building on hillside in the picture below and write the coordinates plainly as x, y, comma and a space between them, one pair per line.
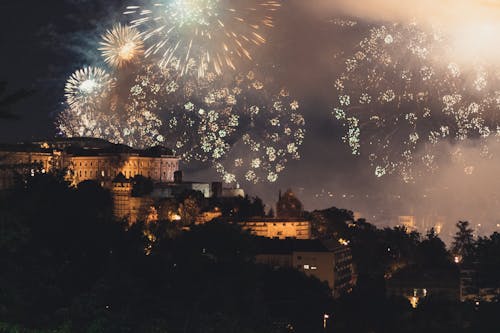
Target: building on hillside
287, 224
86, 159
288, 206
129, 207
278, 228
408, 222
208, 190
113, 166
312, 258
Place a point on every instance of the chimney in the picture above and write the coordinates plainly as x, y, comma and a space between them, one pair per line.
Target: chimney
178, 176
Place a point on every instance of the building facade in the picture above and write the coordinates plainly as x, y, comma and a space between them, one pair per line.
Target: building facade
86, 159
279, 228
313, 258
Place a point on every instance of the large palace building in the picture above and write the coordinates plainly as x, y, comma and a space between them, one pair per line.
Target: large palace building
86, 159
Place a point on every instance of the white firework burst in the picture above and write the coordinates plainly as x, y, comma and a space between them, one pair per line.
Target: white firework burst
88, 87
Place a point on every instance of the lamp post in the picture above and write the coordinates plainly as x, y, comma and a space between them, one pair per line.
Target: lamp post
325, 318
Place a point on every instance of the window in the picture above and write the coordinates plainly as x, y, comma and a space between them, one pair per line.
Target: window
314, 267
306, 266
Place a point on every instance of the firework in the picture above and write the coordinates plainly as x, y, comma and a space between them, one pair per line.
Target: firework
75, 122
207, 34
270, 134
398, 98
247, 133
88, 87
121, 45
197, 117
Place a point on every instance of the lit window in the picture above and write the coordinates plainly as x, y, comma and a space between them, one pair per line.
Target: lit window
314, 267
306, 266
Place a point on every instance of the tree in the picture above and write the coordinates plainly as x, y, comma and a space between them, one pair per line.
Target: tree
463, 241
487, 254
188, 210
432, 253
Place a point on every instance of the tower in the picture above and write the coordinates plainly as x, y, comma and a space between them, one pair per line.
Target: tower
122, 192
288, 206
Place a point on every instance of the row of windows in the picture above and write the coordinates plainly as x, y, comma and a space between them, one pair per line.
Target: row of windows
129, 174
293, 224
127, 163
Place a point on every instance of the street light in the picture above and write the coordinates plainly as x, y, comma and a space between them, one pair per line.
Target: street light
325, 318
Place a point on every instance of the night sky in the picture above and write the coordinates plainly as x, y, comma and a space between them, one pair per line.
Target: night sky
45, 41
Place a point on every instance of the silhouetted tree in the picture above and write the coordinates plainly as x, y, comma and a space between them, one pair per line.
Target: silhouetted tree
487, 256
463, 241
432, 253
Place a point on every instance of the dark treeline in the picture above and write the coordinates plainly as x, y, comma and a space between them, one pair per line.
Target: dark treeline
68, 266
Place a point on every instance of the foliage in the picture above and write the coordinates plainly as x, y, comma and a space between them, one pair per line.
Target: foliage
463, 241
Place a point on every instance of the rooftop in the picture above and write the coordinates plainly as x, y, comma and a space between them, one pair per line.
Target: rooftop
84, 147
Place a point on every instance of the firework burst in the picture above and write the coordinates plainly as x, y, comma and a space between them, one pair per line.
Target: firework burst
207, 34
398, 99
270, 134
88, 87
198, 117
121, 46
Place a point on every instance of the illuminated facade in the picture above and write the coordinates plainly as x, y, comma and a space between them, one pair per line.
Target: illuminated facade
86, 159
408, 222
288, 223
278, 228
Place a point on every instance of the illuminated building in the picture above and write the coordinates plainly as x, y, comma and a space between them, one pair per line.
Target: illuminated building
86, 159
288, 206
408, 222
313, 258
171, 189
278, 228
111, 165
288, 223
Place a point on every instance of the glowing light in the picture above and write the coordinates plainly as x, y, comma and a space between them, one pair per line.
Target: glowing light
208, 34
344, 242
414, 301
87, 87
399, 97
121, 45
270, 134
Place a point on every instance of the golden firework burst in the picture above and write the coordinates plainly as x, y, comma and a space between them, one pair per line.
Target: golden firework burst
121, 45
